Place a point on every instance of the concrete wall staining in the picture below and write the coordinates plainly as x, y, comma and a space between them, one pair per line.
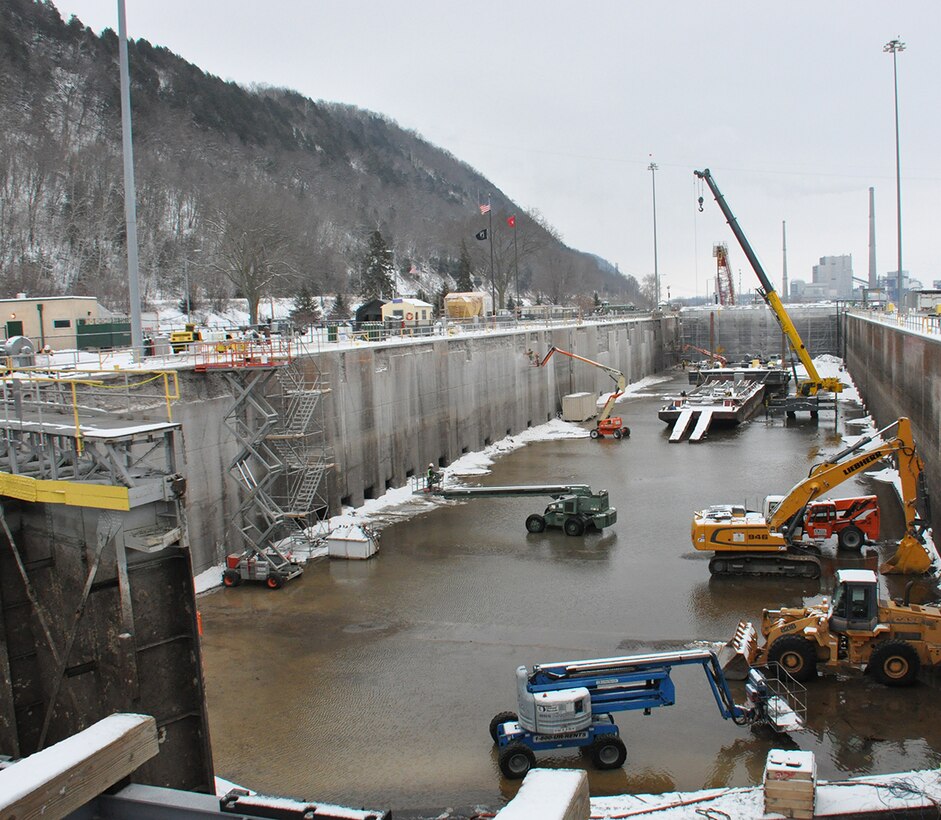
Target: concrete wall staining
748, 330
394, 409
898, 373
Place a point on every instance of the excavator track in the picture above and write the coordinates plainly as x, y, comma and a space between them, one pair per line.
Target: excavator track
789, 565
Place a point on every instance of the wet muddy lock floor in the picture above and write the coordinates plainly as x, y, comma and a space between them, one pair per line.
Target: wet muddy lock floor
372, 683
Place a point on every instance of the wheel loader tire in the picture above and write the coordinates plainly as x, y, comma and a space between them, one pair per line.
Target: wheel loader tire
231, 578
499, 719
574, 526
796, 655
617, 434
275, 580
608, 752
851, 538
515, 760
535, 523
894, 663
594, 433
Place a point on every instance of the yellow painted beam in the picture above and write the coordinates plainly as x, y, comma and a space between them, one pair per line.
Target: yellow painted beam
70, 493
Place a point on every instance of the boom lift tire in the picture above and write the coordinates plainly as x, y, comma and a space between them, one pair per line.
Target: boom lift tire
796, 655
608, 752
535, 523
594, 433
499, 719
851, 538
515, 760
574, 526
231, 578
275, 580
617, 434
894, 663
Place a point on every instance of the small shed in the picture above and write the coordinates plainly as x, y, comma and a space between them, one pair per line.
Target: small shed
579, 407
370, 311
409, 310
52, 321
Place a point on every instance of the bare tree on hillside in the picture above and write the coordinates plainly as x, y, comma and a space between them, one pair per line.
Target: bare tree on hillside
252, 249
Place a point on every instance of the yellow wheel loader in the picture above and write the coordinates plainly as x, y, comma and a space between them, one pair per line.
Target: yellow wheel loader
892, 640
753, 543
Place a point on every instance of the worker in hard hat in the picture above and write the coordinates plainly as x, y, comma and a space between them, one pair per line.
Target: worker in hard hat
433, 475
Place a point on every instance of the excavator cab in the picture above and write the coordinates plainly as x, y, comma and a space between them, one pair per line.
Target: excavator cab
855, 605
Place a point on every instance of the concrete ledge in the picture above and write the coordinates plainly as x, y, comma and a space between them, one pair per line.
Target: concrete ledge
550, 794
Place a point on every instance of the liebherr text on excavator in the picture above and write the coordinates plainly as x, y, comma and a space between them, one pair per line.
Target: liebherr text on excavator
748, 543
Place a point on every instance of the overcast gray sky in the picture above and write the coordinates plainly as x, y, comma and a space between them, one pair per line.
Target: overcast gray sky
565, 104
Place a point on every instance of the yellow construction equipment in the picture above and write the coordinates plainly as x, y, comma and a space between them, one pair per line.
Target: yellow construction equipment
889, 639
752, 543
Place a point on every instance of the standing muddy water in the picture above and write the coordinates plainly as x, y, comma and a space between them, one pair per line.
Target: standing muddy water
373, 682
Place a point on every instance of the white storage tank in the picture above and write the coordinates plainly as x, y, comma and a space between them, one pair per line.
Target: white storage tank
579, 407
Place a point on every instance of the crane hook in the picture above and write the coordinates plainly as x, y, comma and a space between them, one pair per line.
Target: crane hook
700, 204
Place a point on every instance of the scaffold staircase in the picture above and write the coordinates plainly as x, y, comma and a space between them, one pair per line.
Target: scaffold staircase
277, 418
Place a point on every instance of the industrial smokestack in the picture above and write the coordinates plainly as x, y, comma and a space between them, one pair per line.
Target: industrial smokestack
873, 275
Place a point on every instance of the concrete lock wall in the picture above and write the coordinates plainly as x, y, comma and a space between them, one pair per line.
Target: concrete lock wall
749, 330
898, 373
393, 409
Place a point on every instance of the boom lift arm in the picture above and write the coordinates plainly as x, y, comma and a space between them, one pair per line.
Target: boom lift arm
814, 382
615, 425
570, 704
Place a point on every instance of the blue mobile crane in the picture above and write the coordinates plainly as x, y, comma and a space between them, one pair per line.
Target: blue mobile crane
569, 704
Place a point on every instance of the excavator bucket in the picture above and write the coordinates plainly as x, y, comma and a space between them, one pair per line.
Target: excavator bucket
911, 558
737, 656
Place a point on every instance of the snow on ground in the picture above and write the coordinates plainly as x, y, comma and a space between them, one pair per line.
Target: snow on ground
905, 790
637, 388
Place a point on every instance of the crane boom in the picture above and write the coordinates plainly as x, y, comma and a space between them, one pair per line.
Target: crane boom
814, 382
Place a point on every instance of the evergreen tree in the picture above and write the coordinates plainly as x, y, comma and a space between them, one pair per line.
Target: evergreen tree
377, 281
340, 309
463, 279
306, 311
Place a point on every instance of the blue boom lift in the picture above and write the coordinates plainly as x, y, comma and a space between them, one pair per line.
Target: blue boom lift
569, 704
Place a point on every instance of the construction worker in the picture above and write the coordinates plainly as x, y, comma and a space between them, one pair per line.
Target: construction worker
432, 475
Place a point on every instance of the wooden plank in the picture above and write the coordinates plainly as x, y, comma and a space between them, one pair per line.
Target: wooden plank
64, 777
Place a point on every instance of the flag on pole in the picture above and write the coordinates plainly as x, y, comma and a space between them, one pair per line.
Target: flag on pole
511, 221
484, 209
482, 233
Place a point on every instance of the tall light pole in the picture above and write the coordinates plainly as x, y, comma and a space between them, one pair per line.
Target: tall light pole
656, 271
895, 46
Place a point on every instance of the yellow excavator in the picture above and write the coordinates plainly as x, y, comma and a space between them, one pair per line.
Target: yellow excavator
766, 543
814, 384
607, 425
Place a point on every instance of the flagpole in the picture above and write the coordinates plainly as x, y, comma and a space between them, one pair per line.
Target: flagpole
493, 284
516, 265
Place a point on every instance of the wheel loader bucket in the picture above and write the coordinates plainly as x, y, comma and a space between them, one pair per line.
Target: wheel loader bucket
737, 656
911, 558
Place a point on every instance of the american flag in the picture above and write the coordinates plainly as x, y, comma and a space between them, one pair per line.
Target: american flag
484, 209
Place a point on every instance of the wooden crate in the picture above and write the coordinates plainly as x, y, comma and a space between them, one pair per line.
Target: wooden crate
789, 783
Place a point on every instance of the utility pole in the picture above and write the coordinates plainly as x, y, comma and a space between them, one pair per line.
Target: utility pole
893, 47
656, 271
130, 194
493, 284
